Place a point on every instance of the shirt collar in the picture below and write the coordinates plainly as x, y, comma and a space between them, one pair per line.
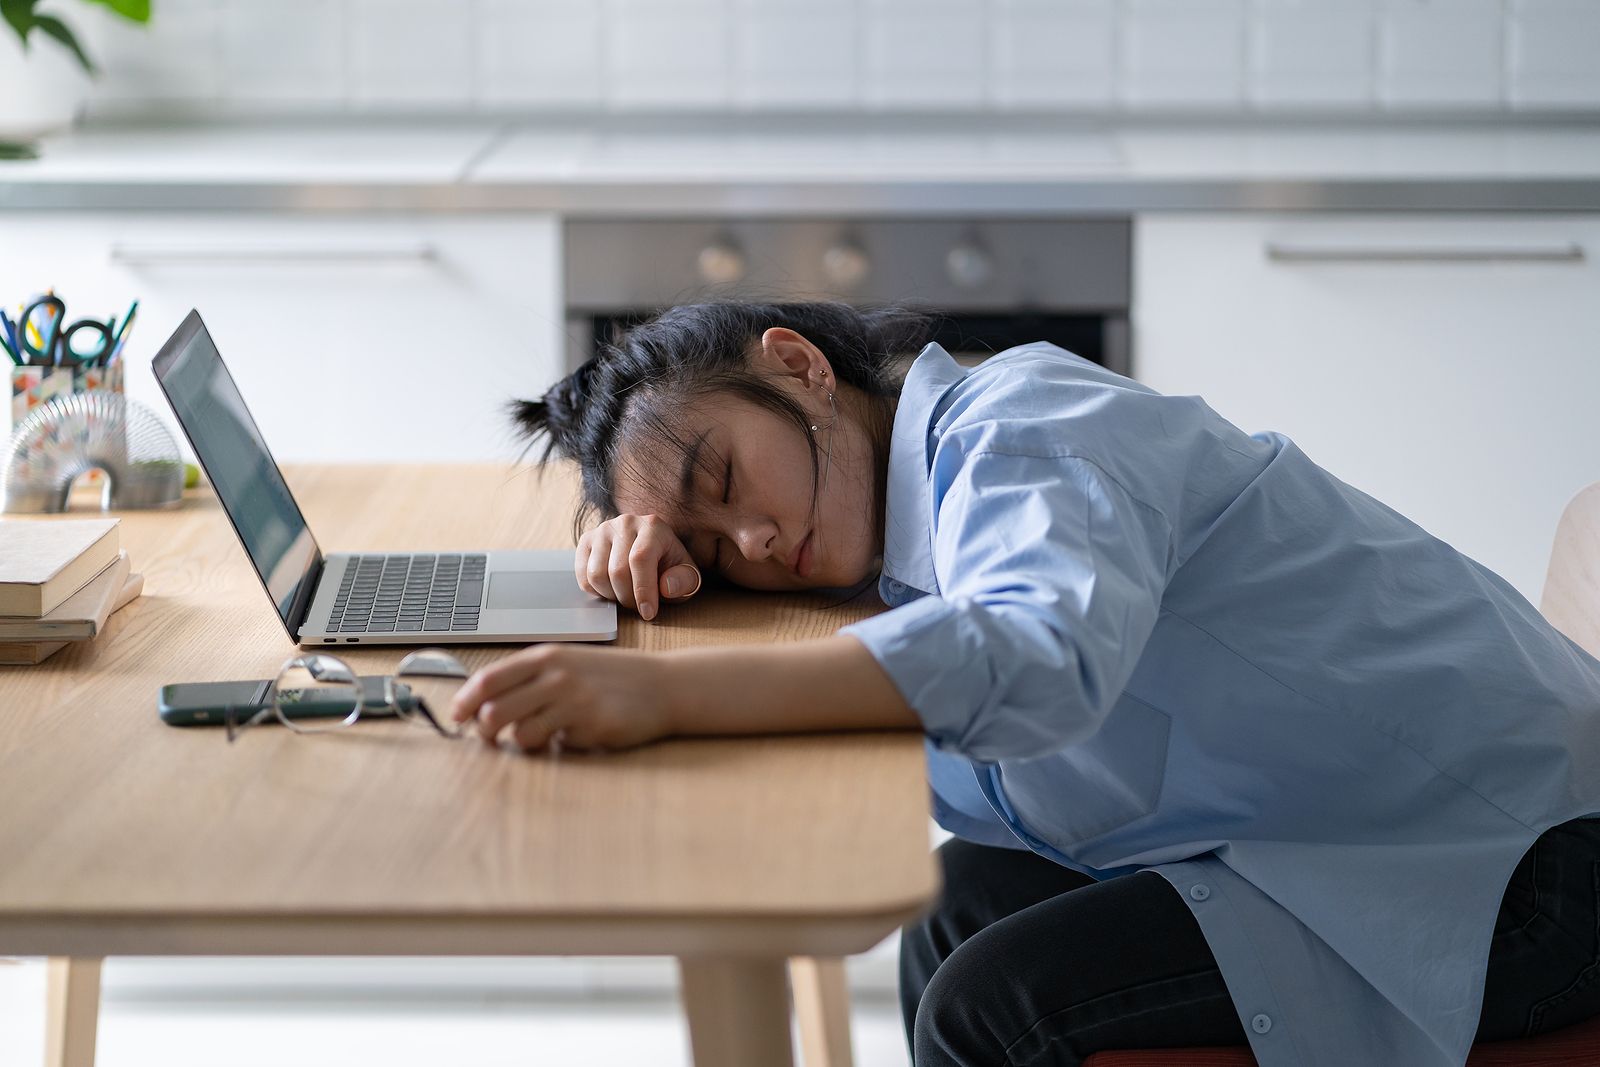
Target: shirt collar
907, 524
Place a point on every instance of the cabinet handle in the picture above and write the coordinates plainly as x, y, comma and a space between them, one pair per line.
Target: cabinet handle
134, 255
1291, 253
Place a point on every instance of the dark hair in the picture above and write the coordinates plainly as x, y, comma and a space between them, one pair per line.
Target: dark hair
636, 387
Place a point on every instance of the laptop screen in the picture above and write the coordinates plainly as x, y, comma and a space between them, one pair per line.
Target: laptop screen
241, 470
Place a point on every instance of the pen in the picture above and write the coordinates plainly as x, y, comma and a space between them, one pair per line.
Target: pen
122, 339
127, 320
49, 324
15, 347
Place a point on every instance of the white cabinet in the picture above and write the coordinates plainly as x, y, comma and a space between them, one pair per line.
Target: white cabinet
353, 338
1447, 365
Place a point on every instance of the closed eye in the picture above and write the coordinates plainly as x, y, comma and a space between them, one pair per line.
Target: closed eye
727, 494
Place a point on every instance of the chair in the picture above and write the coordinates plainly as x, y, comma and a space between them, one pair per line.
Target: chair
1576, 1046
1571, 602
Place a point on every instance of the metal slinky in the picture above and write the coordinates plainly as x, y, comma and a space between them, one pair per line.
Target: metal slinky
69, 435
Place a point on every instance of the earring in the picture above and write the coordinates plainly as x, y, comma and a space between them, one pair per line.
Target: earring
835, 408
824, 377
828, 448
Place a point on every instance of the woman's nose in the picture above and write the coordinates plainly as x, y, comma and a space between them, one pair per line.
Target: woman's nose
755, 540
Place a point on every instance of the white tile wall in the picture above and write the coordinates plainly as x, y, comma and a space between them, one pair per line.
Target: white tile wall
1440, 53
540, 53
1553, 53
666, 54
1085, 56
796, 54
1183, 53
173, 59
924, 53
1311, 53
289, 54
1053, 52
411, 54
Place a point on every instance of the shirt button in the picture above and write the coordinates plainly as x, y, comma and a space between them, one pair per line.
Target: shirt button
1201, 892
1261, 1024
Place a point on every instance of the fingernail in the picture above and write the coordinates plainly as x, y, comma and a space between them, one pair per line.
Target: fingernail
680, 585
648, 611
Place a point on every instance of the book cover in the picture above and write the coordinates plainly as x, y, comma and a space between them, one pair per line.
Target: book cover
78, 617
42, 563
13, 653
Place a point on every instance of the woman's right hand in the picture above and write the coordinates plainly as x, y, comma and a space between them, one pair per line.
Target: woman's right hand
637, 561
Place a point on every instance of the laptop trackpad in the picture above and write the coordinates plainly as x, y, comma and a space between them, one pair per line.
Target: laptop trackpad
534, 589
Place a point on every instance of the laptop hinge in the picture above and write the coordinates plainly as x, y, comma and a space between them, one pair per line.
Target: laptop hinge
306, 595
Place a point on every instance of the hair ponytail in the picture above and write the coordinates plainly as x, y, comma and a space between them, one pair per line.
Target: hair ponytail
558, 416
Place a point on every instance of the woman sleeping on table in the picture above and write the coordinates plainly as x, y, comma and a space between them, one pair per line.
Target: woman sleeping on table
1353, 764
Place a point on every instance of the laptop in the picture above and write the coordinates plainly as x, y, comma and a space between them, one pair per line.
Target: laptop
378, 598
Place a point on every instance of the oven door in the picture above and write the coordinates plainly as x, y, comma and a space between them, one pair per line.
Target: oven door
994, 284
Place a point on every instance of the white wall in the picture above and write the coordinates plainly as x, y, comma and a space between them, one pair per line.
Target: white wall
230, 57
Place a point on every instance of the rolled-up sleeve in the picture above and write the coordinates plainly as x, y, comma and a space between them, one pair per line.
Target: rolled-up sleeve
1051, 576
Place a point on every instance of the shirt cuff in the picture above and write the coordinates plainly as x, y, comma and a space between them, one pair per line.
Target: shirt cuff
919, 646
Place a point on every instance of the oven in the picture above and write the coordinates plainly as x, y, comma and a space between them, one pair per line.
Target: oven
993, 283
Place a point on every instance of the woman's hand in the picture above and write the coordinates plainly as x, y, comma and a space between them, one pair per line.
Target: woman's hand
637, 561
595, 698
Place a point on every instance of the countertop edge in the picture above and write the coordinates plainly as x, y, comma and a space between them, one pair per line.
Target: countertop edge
887, 197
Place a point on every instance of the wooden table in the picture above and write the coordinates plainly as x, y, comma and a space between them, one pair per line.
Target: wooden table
121, 835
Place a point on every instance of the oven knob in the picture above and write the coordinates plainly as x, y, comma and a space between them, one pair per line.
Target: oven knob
969, 266
846, 265
721, 263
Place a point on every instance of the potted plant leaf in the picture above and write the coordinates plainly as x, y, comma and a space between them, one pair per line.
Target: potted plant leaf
42, 88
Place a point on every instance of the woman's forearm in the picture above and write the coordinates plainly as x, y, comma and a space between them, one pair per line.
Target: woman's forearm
827, 684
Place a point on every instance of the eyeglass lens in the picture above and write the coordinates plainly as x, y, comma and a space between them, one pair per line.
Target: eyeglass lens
432, 677
316, 693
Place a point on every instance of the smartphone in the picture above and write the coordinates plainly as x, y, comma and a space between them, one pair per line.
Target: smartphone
206, 703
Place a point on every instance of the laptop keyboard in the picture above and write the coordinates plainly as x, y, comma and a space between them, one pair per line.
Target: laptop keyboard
409, 594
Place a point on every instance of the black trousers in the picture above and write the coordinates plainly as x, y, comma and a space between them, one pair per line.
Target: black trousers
1025, 962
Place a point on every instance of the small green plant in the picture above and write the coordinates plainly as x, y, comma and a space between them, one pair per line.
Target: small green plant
23, 17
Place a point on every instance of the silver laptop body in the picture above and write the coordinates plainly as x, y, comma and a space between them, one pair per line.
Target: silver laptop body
379, 598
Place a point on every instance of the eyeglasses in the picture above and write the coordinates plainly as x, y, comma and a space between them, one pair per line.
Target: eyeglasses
317, 693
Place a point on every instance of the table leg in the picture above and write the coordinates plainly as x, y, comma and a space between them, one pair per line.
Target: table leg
738, 1011
822, 1008
72, 1011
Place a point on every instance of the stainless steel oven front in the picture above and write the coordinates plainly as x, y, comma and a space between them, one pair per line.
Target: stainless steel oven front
993, 283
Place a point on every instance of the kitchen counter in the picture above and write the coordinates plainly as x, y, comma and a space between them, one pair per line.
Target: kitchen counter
748, 165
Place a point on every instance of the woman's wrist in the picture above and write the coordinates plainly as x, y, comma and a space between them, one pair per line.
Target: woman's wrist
677, 700
831, 683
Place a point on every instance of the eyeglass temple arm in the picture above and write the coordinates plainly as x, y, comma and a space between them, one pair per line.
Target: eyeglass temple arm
400, 690
230, 714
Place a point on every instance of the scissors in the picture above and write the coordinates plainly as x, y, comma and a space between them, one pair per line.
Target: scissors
46, 342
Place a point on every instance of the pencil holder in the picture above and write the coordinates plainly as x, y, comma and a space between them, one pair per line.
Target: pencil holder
33, 386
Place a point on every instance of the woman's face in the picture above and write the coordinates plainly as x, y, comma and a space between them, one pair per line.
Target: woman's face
747, 510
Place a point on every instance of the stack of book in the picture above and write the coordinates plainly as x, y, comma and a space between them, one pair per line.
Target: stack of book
59, 582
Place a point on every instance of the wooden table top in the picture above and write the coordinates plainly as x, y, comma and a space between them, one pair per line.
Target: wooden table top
120, 834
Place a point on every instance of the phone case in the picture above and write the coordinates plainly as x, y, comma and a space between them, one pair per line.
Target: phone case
206, 703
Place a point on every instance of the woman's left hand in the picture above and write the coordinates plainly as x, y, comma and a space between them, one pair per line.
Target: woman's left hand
594, 698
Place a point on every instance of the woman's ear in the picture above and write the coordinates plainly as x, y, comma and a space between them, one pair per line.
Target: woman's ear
785, 352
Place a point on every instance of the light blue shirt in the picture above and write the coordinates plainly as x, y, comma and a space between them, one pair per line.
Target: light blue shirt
1138, 637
